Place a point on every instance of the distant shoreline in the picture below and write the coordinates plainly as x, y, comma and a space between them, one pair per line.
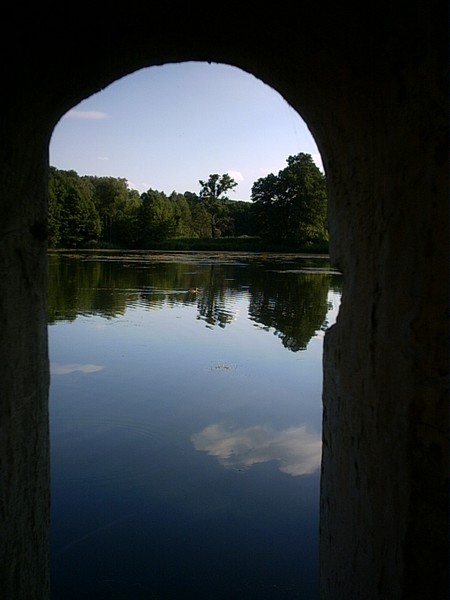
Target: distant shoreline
226, 244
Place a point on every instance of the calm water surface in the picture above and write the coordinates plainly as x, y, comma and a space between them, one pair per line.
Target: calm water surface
186, 425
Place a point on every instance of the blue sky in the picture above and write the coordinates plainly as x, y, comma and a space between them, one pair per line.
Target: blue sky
167, 127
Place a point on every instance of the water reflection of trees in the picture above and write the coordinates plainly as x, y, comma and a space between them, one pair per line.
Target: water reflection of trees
215, 302
295, 305
291, 303
84, 287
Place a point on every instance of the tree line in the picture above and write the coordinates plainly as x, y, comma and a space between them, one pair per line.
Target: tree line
89, 211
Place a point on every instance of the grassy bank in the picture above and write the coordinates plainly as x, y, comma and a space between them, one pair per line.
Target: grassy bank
232, 244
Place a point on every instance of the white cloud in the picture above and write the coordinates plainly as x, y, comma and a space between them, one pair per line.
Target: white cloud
86, 114
141, 187
236, 175
102, 158
57, 369
297, 451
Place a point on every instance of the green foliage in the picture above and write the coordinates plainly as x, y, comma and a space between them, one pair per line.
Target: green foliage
181, 214
288, 212
242, 218
200, 220
213, 196
91, 211
293, 205
126, 224
111, 198
156, 218
73, 219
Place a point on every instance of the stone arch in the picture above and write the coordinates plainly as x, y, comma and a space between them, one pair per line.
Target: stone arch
373, 93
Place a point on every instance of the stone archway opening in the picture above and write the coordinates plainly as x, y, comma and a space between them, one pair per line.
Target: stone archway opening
300, 149
162, 113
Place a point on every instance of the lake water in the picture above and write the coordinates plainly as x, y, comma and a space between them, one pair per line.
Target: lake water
186, 425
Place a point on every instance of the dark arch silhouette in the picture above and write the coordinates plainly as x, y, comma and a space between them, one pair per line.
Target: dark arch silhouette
373, 90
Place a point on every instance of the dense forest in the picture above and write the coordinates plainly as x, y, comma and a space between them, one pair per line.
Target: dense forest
286, 210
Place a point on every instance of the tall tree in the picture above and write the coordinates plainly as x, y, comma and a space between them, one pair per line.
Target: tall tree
181, 214
200, 226
213, 194
242, 217
292, 206
126, 226
156, 218
73, 217
81, 223
110, 196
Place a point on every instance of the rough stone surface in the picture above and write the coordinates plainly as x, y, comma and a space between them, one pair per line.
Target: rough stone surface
374, 93
24, 443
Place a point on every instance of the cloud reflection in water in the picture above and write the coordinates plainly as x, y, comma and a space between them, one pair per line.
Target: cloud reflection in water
58, 369
297, 451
